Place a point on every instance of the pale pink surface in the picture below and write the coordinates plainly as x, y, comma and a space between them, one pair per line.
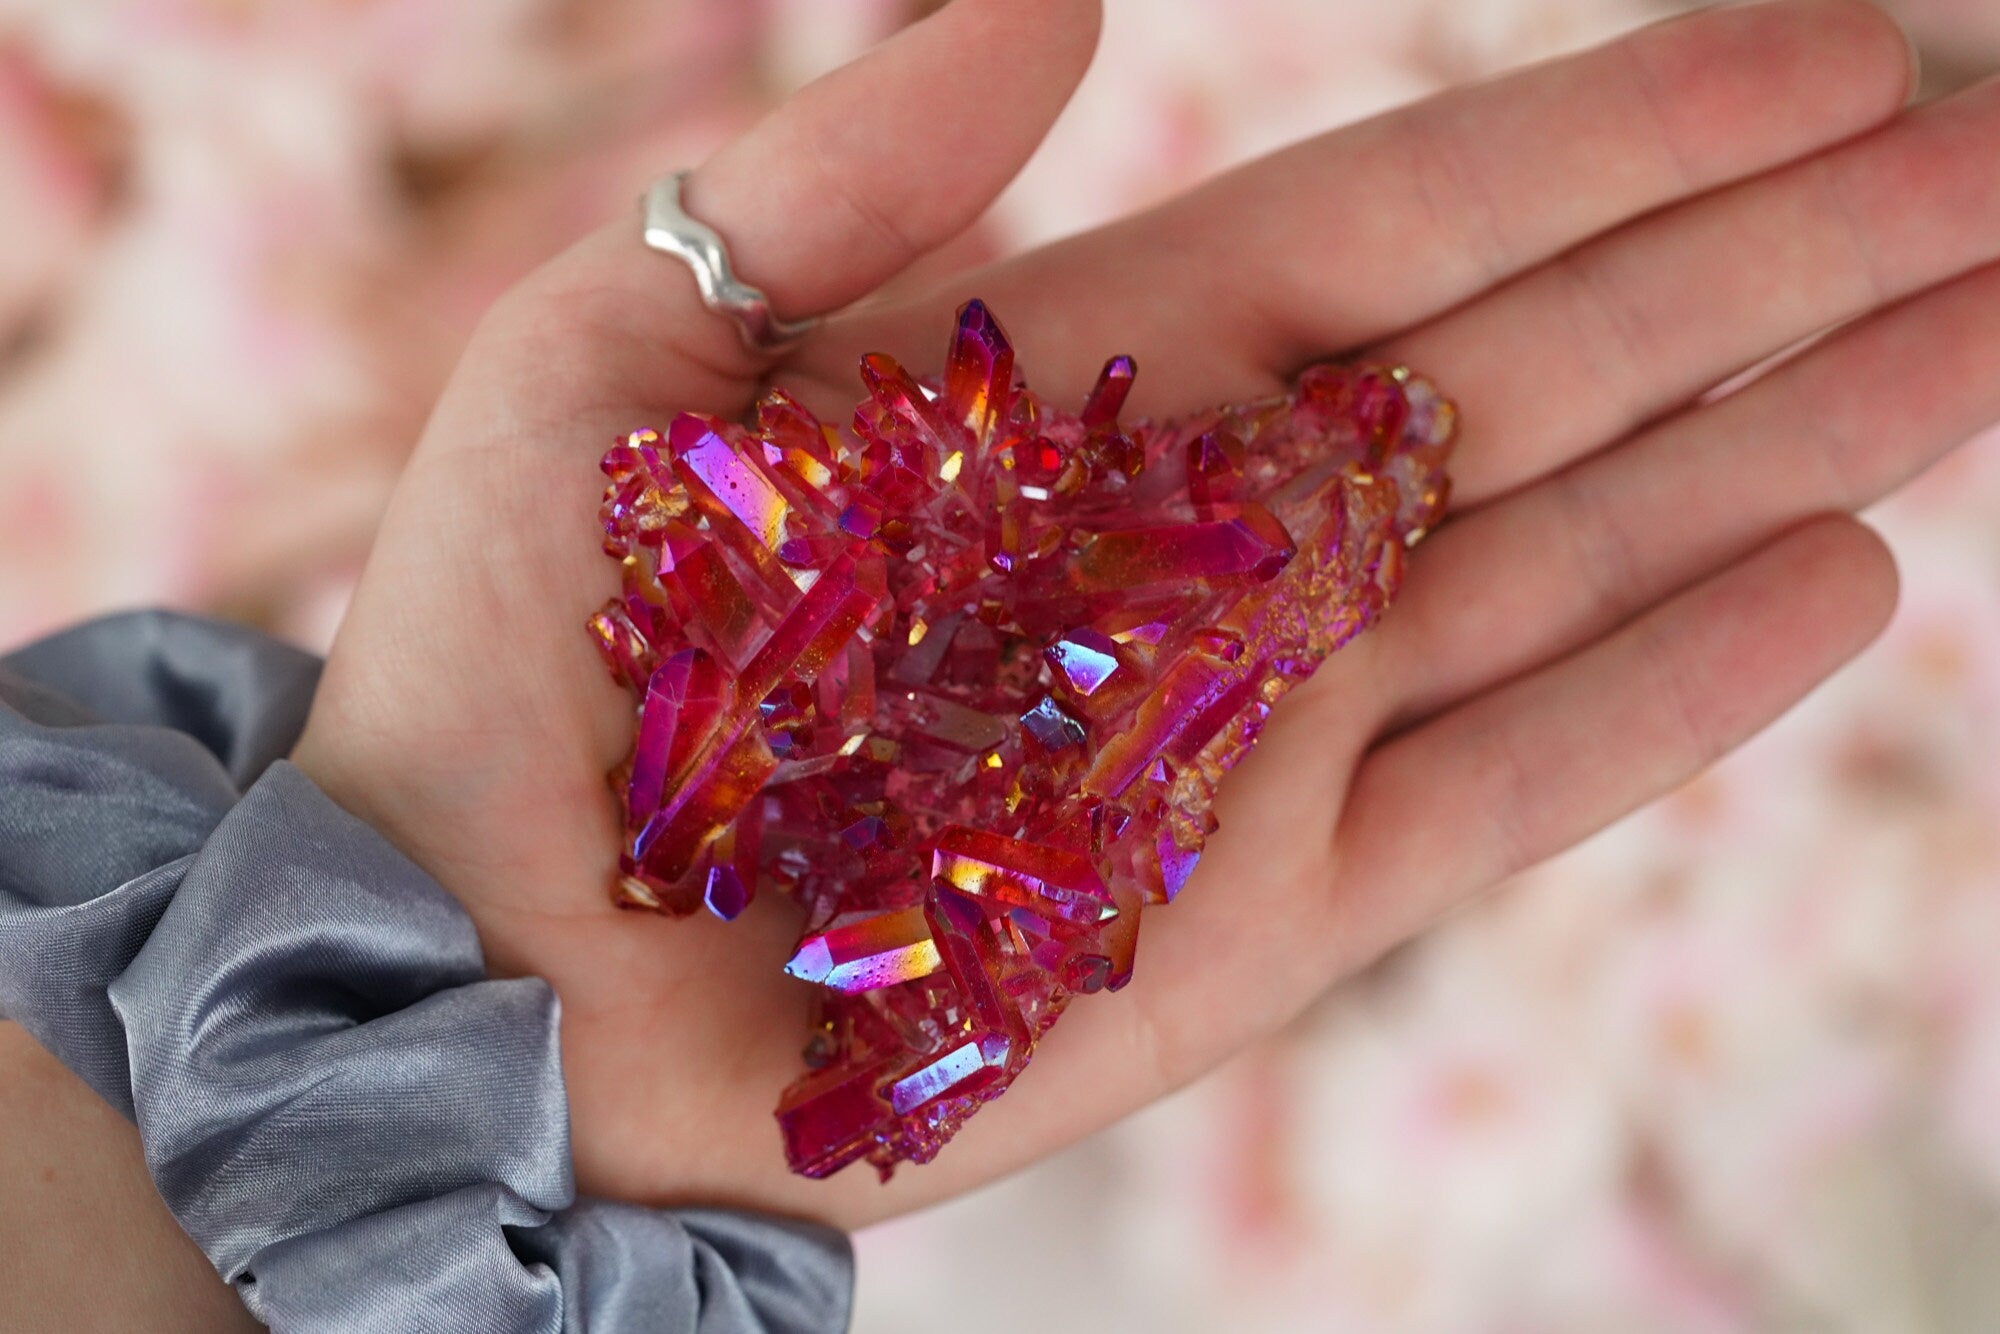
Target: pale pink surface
1732, 1066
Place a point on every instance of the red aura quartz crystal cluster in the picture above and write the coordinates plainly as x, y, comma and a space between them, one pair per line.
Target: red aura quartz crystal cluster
961, 678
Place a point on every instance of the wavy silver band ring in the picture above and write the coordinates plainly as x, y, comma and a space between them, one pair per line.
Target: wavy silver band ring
669, 229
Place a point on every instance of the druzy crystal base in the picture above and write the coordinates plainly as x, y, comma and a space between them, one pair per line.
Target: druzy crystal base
961, 676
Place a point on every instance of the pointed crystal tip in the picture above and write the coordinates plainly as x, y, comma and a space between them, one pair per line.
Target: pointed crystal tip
1107, 398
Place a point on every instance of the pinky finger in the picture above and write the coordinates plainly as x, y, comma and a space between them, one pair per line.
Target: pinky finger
1440, 813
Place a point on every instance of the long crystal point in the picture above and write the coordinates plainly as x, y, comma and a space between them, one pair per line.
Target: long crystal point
685, 700
874, 950
979, 371
731, 478
961, 929
1107, 398
1052, 882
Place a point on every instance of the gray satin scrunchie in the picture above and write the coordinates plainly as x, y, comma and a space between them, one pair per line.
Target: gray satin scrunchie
360, 1129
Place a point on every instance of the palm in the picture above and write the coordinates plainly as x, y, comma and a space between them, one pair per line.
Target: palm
1565, 648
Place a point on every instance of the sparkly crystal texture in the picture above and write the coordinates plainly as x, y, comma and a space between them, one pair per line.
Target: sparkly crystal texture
960, 678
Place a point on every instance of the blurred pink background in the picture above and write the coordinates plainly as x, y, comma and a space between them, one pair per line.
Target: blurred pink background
1733, 1065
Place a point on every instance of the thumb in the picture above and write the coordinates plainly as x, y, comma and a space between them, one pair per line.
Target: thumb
836, 191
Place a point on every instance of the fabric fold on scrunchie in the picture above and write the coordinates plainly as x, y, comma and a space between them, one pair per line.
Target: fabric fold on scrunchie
359, 1128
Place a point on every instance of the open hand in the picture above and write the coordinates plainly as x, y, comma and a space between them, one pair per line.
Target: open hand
1638, 574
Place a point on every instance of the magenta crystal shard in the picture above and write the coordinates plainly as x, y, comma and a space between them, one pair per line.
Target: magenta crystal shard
960, 677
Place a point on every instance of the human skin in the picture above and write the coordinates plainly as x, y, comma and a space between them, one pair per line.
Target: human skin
86, 1243
1631, 584
1634, 578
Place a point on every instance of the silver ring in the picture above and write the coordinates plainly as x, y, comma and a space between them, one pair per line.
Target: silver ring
669, 229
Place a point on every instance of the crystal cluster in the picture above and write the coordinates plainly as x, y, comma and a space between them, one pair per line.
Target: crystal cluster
961, 676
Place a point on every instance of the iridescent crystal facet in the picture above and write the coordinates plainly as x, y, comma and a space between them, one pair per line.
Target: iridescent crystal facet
960, 677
